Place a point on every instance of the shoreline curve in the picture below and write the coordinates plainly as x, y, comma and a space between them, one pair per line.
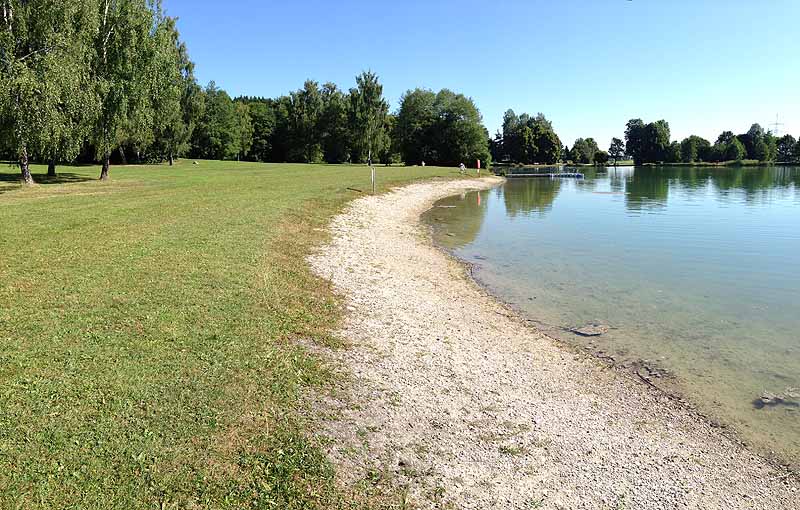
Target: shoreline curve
456, 398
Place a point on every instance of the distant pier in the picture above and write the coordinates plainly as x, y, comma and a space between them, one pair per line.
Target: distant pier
560, 175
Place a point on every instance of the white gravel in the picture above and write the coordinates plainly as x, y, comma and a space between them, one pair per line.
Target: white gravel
459, 402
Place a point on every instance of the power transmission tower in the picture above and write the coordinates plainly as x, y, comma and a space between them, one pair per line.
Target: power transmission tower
776, 126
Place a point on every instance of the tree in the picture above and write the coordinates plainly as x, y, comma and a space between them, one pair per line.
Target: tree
458, 133
647, 143
584, 150
725, 138
617, 150
442, 128
634, 140
785, 148
333, 125
694, 148
262, 117
44, 75
673, 153
600, 158
305, 111
796, 152
734, 150
124, 58
178, 103
527, 139
368, 110
415, 119
657, 141
389, 152
217, 134
244, 130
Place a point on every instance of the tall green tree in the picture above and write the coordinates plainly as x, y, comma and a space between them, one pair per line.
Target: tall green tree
262, 116
244, 130
368, 110
785, 148
616, 150
527, 139
647, 143
584, 150
694, 148
635, 140
177, 98
444, 128
415, 119
796, 152
333, 128
217, 133
735, 151
125, 53
44, 75
305, 112
459, 134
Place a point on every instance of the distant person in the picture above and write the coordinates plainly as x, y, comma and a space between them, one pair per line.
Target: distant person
462, 169
423, 163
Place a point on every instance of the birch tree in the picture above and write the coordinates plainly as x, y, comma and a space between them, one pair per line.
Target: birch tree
124, 58
44, 70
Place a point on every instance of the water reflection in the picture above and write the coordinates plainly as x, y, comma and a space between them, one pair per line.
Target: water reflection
533, 196
459, 221
695, 268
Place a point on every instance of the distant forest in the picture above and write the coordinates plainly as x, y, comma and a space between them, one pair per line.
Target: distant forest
531, 140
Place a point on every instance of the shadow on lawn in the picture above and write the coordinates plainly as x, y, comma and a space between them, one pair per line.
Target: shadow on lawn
8, 179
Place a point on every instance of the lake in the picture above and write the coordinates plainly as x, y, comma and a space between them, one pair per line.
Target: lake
696, 271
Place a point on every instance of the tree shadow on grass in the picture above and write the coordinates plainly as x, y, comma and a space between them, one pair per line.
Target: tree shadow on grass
10, 181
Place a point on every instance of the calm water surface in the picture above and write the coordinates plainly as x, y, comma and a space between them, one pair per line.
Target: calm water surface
696, 270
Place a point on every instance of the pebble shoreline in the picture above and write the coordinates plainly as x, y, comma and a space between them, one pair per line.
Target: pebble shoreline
457, 400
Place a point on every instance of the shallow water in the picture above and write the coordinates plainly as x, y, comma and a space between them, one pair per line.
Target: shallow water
695, 270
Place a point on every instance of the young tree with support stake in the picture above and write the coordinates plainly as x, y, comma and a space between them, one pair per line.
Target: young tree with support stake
368, 114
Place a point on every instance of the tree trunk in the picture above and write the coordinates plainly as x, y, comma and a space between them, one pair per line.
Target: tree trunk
171, 158
51, 168
25, 168
123, 160
106, 164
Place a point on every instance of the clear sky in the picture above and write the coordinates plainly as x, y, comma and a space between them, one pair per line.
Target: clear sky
588, 65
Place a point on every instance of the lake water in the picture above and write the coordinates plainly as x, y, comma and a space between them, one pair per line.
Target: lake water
696, 271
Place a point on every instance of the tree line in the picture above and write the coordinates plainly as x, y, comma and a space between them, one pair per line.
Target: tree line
326, 124
111, 81
651, 143
532, 140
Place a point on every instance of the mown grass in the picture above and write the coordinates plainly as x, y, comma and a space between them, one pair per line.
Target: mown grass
147, 327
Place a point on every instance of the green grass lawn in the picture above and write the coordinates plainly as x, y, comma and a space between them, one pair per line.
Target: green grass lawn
147, 329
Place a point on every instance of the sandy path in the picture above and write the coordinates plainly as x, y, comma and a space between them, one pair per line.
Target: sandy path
460, 402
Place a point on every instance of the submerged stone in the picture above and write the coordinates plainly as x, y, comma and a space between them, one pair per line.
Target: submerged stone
591, 330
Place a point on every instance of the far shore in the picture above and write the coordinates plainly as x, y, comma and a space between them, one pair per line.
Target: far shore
460, 401
630, 163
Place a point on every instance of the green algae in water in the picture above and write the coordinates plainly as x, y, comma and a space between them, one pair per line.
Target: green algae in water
697, 271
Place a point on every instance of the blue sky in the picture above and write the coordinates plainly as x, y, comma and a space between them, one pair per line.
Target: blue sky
588, 65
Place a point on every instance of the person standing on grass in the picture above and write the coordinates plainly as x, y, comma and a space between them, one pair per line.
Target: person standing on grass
462, 169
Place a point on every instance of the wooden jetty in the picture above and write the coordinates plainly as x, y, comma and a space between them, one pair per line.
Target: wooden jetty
561, 175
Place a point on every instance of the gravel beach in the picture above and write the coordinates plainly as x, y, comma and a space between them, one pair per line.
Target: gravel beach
461, 404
